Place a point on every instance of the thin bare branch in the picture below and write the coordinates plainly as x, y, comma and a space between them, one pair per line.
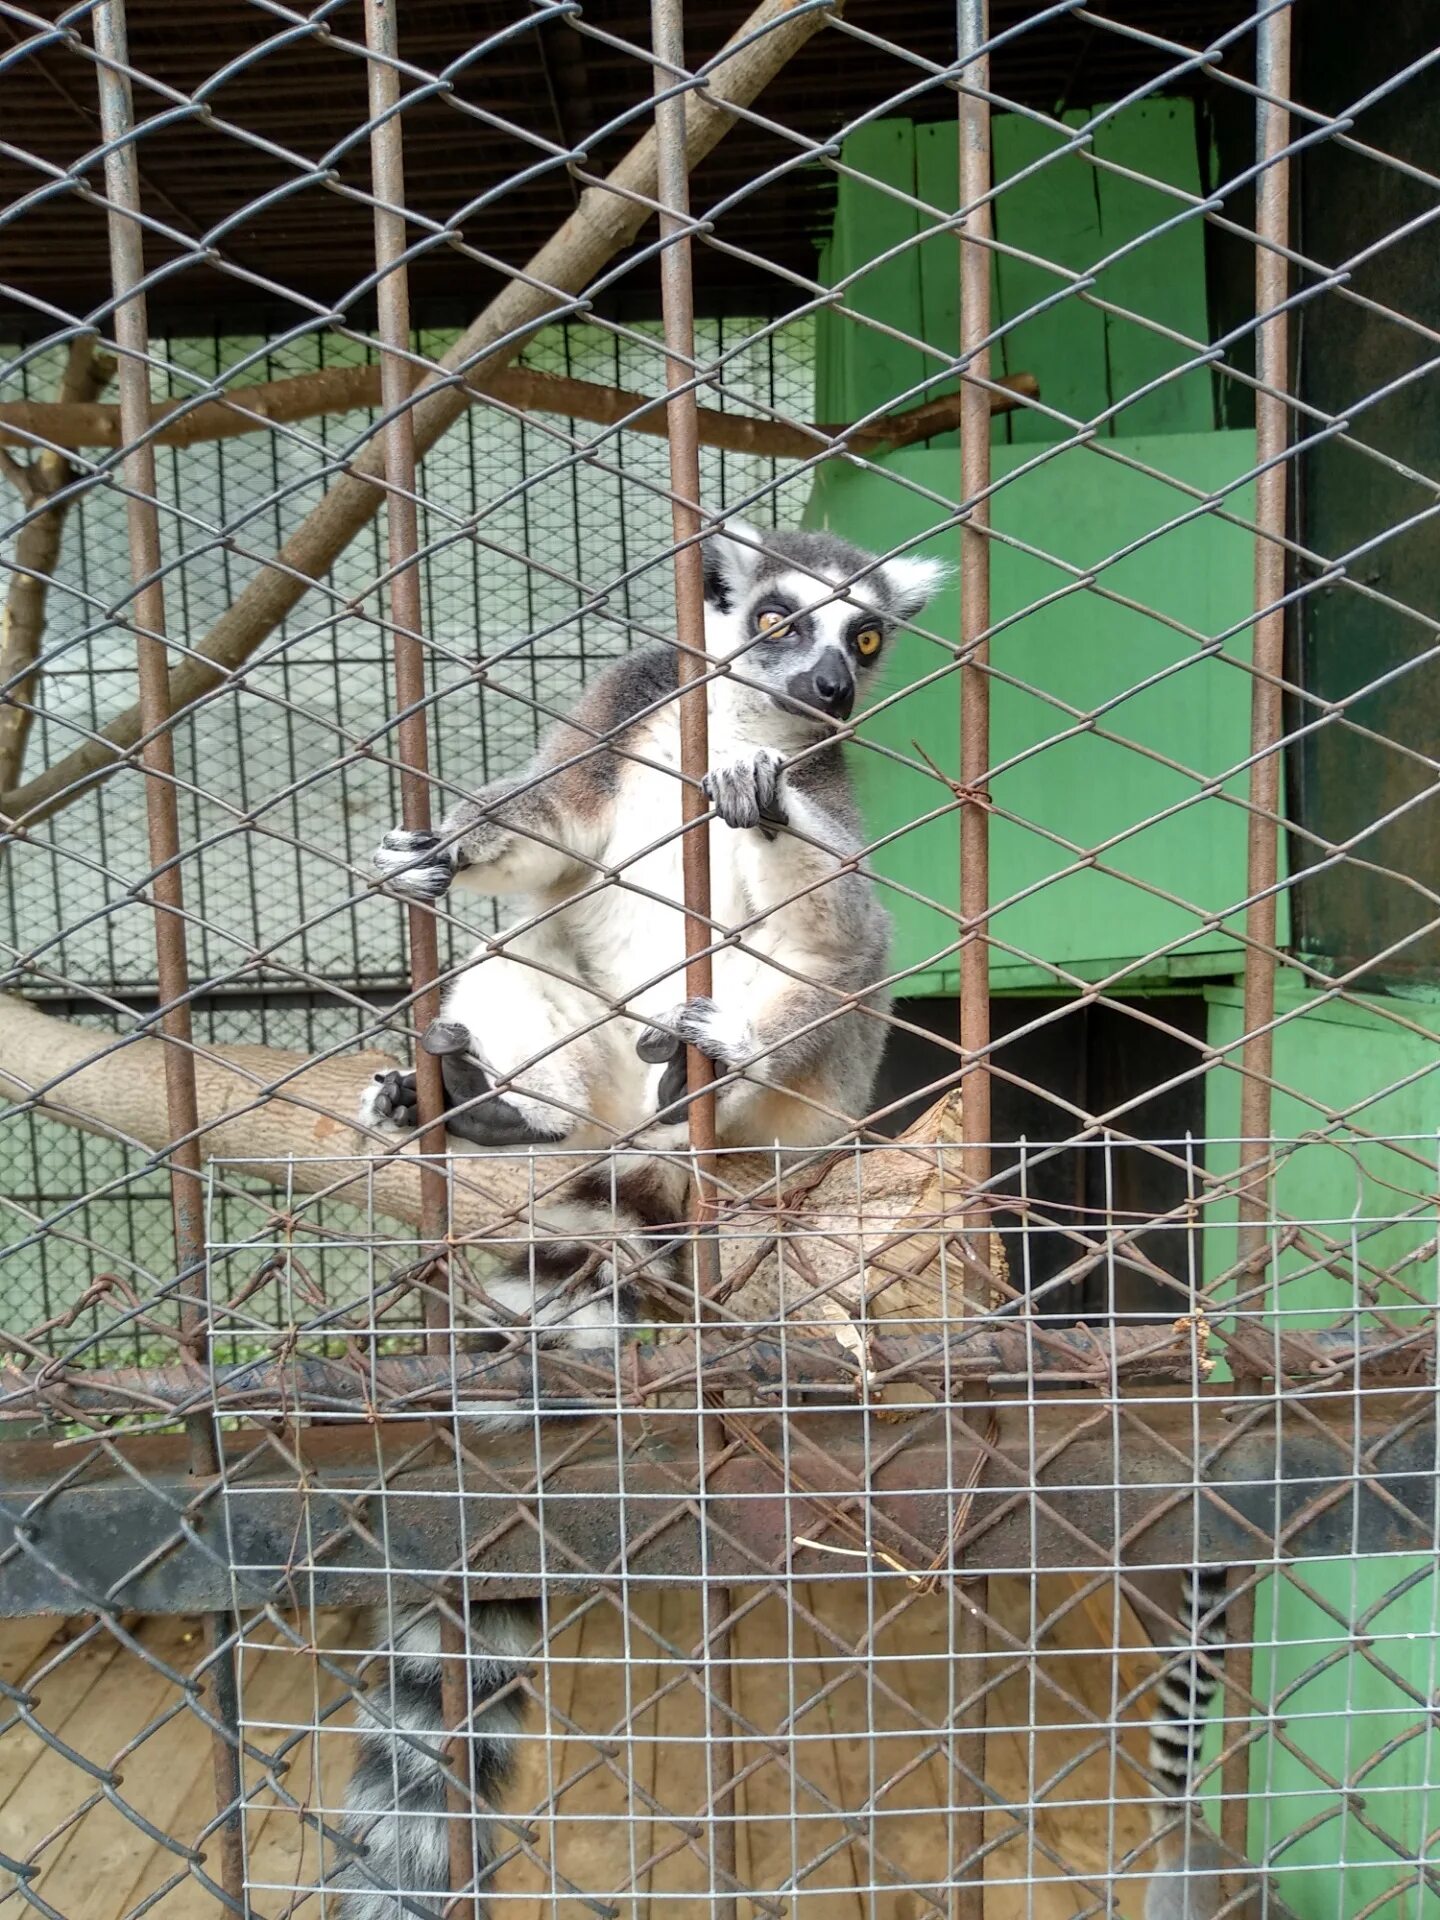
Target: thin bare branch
37, 550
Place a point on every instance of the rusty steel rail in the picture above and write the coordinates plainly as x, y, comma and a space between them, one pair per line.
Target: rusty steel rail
1267, 726
167, 890
1014, 1354
968, 1713
135, 1529
399, 375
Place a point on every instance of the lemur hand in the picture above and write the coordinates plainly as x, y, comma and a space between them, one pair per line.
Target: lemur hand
748, 793
699, 1023
416, 864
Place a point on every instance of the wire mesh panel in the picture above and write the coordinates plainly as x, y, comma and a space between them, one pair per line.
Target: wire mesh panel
717, 756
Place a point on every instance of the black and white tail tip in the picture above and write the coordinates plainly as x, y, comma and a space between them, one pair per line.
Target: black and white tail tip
1188, 1686
397, 1861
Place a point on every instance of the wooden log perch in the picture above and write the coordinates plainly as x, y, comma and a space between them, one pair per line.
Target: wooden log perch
754, 1365
306, 396
605, 222
819, 1248
872, 1265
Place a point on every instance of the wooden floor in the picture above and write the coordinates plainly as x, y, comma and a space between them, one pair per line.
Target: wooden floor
614, 1776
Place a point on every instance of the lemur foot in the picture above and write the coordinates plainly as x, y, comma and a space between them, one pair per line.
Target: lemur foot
389, 1103
416, 864
748, 793
483, 1118
701, 1024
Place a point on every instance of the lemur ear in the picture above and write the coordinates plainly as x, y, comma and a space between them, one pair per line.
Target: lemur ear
913, 579
732, 557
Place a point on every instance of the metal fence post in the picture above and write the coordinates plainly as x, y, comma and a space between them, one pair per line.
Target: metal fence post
968, 1843
399, 374
162, 821
1272, 433
677, 295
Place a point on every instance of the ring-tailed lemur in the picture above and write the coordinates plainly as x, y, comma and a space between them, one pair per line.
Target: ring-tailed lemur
572, 1018
567, 1032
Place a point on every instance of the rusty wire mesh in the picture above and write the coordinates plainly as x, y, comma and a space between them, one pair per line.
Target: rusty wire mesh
372, 374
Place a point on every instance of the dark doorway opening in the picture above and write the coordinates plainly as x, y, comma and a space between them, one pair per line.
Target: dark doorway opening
1056, 1061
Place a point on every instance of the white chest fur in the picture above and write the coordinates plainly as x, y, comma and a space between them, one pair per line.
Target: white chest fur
632, 933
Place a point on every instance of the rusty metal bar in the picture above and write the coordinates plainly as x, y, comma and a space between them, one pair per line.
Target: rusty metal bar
135, 1530
1009, 1355
678, 303
162, 822
677, 297
398, 375
1267, 721
967, 1737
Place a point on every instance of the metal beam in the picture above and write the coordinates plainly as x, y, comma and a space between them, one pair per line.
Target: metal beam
298, 1518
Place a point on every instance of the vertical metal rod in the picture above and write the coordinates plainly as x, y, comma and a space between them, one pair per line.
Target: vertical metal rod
968, 1833
1272, 433
162, 820
397, 379
677, 294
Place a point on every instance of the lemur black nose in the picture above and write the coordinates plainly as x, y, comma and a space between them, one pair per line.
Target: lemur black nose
835, 692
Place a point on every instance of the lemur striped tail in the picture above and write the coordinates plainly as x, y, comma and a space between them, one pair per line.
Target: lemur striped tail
1187, 1687
577, 1282
395, 1806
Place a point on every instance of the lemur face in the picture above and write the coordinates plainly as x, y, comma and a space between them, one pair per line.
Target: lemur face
803, 618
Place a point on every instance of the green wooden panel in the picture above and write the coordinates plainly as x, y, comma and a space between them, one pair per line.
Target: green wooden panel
873, 367
1346, 1715
1057, 778
829, 393
1330, 1059
1065, 216
1162, 279
1052, 214
937, 183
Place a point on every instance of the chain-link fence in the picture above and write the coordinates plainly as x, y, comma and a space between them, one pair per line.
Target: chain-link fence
870, 1349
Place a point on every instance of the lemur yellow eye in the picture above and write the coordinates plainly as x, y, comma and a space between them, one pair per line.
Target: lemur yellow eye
867, 642
769, 619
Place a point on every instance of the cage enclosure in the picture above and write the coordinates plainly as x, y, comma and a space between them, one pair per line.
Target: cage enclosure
719, 780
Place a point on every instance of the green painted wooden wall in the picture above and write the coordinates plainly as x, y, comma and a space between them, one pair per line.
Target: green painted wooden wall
1105, 717
1117, 724
1364, 1710
1074, 243
1114, 731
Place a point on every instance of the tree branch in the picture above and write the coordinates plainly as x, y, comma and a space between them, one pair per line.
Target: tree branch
37, 549
607, 219
270, 403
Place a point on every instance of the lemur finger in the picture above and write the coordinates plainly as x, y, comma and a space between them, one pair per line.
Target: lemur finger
700, 1024
397, 1099
445, 1036
673, 1083
719, 1035
769, 773
402, 840
663, 1042
731, 791
465, 1079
